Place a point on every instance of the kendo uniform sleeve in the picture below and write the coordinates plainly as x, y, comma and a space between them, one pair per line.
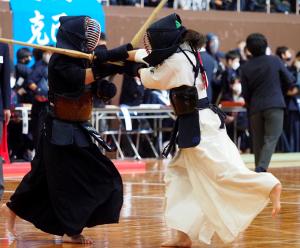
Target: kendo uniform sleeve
104, 70
161, 77
173, 72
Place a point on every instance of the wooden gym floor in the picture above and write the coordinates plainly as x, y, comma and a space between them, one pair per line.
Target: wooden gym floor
142, 224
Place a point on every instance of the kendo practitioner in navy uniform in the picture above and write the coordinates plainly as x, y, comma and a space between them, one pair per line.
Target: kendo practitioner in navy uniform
71, 184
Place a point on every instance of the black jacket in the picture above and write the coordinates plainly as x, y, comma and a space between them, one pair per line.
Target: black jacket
4, 79
292, 101
265, 80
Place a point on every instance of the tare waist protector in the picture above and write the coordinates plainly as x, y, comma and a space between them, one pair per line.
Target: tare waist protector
73, 109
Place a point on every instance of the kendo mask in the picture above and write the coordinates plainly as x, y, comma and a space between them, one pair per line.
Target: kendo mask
162, 39
80, 33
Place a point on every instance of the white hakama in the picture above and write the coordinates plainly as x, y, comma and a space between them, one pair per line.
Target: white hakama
210, 190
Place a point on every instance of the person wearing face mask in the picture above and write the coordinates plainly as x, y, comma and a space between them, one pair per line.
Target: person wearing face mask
231, 91
38, 84
21, 145
231, 71
22, 72
72, 184
287, 142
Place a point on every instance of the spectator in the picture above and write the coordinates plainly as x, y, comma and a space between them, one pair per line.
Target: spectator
230, 74
292, 125
191, 4
21, 144
257, 5
295, 68
241, 51
284, 143
227, 4
280, 6
231, 91
211, 67
284, 54
38, 84
212, 47
22, 72
262, 79
4, 100
150, 3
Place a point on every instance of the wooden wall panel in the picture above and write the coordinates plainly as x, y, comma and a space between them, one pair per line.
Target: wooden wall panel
123, 22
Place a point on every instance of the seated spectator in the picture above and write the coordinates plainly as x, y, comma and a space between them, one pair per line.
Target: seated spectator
227, 4
191, 4
280, 6
151, 3
127, 2
257, 5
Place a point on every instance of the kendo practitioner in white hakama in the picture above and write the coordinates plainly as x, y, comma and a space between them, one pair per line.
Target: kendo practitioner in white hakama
208, 187
72, 185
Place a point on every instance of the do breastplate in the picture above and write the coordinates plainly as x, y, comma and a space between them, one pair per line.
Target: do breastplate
184, 99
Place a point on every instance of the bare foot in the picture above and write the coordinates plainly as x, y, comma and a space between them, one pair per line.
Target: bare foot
182, 240
10, 219
77, 239
275, 199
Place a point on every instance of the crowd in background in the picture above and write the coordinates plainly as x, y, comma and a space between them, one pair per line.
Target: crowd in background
30, 87
279, 6
223, 72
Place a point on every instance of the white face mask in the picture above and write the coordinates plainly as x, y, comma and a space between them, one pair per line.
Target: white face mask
237, 88
235, 65
46, 57
268, 51
297, 64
